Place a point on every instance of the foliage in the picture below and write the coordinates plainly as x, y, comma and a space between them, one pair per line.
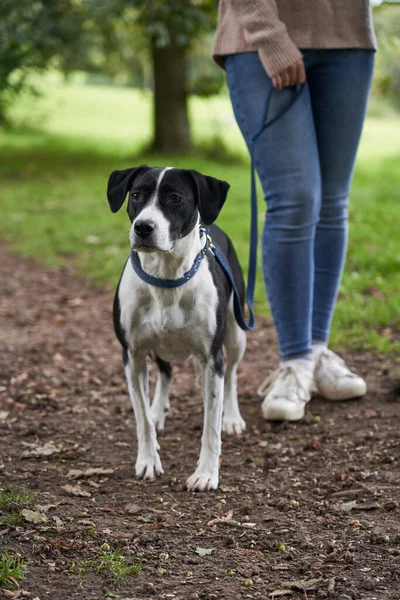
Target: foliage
178, 23
387, 72
32, 34
125, 30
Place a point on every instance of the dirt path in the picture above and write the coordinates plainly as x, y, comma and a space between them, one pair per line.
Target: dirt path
315, 503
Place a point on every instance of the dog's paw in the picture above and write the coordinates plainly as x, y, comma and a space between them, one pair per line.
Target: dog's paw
233, 424
202, 481
158, 416
148, 467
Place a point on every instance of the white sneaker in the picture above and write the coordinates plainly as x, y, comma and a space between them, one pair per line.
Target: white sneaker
286, 392
334, 381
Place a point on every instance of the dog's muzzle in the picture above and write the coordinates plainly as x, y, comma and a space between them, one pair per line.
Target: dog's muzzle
144, 229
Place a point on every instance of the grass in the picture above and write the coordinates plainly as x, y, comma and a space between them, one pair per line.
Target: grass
53, 202
11, 570
12, 502
112, 565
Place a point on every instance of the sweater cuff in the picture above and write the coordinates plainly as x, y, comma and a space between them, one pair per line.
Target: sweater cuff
278, 57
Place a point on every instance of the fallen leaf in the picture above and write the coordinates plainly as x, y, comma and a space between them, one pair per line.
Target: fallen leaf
278, 593
348, 506
227, 517
110, 509
370, 414
144, 519
371, 506
93, 483
133, 509
47, 449
59, 319
58, 522
77, 473
34, 516
3, 415
75, 302
245, 570
46, 507
303, 585
204, 551
19, 378
75, 490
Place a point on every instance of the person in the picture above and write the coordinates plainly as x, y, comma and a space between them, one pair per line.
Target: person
305, 162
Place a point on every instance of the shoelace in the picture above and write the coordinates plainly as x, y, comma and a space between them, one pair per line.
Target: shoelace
329, 356
282, 372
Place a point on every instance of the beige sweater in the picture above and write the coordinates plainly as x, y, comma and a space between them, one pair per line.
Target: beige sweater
276, 29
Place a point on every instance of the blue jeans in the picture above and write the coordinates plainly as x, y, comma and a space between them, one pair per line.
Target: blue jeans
305, 162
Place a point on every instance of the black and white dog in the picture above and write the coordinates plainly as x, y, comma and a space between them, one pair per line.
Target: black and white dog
167, 207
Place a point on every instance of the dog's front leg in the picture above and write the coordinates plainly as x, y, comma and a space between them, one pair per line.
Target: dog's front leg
148, 463
205, 476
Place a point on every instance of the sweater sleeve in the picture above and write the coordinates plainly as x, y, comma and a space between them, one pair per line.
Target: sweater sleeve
264, 30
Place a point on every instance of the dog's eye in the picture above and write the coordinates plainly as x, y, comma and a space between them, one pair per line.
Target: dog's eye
175, 198
136, 196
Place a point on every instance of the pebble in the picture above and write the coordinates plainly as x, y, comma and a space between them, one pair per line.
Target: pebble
369, 585
193, 560
148, 588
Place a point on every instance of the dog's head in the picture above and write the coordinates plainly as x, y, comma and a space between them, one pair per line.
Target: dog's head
164, 203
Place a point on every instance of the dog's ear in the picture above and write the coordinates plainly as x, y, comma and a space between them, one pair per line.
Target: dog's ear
210, 194
119, 183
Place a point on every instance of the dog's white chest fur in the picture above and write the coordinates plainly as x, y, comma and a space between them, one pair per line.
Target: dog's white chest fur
174, 323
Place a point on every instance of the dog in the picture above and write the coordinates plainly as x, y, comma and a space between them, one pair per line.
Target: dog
168, 209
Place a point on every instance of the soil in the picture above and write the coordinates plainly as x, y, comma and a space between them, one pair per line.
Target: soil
304, 510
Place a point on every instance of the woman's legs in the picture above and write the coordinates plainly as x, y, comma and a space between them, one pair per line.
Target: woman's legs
305, 162
287, 162
339, 83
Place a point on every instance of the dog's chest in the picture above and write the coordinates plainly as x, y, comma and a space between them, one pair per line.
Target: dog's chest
173, 323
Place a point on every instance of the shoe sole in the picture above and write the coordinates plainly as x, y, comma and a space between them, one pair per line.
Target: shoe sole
341, 397
275, 414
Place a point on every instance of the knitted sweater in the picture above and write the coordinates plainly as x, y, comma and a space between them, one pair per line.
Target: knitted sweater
276, 29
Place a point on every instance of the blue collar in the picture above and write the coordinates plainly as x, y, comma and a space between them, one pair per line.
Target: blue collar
170, 283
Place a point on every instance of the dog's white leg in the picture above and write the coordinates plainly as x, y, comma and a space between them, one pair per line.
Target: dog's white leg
148, 463
205, 476
160, 406
235, 345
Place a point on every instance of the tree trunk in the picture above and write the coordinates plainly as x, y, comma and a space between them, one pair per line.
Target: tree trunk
170, 115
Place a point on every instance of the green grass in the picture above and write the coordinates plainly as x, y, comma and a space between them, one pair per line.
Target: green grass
12, 502
112, 565
11, 570
53, 203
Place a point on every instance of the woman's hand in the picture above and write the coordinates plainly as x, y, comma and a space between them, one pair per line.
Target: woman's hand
290, 76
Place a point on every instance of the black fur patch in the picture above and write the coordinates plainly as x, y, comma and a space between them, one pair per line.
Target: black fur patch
176, 183
117, 323
164, 367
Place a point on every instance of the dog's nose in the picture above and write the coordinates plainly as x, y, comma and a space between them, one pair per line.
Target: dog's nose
144, 228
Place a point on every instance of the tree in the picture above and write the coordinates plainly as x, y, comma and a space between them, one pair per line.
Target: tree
32, 34
171, 30
387, 71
